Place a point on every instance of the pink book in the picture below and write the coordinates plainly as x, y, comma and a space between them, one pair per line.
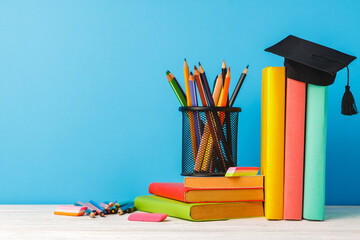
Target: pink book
294, 149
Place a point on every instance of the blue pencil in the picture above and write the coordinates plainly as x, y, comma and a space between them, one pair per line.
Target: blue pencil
97, 205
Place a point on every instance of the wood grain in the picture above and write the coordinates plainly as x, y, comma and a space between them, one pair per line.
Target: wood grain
39, 222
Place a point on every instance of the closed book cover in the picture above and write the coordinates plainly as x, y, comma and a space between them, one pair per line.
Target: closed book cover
179, 192
272, 139
224, 182
294, 148
315, 153
199, 211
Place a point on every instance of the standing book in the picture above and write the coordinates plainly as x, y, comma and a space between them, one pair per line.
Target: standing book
272, 139
294, 148
315, 153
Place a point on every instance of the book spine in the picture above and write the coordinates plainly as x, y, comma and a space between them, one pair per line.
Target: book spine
168, 190
315, 153
294, 148
272, 139
156, 204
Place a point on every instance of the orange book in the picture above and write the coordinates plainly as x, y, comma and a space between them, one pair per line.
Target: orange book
178, 191
294, 149
225, 182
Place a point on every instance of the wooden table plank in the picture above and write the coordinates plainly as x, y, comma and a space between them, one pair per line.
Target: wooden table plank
39, 222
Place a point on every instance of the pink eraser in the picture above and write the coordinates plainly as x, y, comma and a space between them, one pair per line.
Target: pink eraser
68, 210
147, 217
241, 171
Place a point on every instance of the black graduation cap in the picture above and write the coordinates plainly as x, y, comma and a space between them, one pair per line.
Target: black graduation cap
312, 63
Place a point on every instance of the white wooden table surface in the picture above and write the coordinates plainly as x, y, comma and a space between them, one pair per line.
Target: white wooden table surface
39, 222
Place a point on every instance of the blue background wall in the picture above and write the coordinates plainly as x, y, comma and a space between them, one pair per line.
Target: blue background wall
87, 113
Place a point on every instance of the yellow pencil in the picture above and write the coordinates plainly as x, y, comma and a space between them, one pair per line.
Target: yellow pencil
191, 119
187, 87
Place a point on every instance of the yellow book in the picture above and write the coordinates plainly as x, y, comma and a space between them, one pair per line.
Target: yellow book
272, 139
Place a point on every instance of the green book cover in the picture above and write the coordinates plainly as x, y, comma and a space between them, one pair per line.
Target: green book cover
315, 153
167, 206
200, 211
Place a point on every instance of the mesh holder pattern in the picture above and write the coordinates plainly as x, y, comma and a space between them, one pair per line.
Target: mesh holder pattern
209, 140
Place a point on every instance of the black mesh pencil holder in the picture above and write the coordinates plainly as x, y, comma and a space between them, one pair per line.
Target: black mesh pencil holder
209, 140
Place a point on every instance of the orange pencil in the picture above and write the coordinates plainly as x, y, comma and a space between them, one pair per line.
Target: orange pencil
225, 94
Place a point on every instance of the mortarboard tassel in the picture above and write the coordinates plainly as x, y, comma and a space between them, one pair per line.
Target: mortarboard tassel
348, 106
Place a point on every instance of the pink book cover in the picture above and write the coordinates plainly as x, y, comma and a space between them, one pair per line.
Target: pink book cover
294, 149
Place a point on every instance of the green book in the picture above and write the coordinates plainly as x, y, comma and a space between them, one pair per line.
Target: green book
199, 211
315, 153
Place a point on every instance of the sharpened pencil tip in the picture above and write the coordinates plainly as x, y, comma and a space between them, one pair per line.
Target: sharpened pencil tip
247, 66
191, 73
167, 72
185, 59
199, 64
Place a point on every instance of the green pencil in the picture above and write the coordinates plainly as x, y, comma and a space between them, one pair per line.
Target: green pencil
176, 89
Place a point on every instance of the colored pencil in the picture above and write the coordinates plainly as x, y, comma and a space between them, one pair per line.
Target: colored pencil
207, 157
98, 206
88, 211
181, 90
223, 71
194, 103
192, 126
206, 86
218, 123
176, 89
91, 206
224, 97
215, 83
217, 89
187, 87
209, 126
238, 86
105, 206
200, 87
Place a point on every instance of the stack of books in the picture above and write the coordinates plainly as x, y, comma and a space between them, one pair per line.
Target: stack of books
206, 198
293, 127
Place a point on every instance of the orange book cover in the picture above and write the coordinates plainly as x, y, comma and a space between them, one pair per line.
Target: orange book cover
224, 182
178, 191
294, 149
